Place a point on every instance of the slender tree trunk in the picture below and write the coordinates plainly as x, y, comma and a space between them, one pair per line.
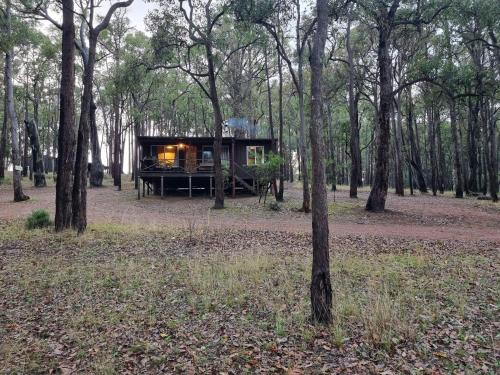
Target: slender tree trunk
306, 196
116, 142
356, 178
9, 94
214, 98
440, 155
270, 117
321, 288
79, 193
279, 196
459, 190
415, 160
493, 153
290, 154
333, 160
431, 133
378, 193
3, 139
472, 144
67, 136
96, 168
36, 154
398, 152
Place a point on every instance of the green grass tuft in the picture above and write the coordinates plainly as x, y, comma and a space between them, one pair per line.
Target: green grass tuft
38, 219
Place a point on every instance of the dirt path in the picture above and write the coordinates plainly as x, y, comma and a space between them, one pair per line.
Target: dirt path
418, 217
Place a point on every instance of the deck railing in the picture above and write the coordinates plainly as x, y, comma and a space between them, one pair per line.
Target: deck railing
177, 165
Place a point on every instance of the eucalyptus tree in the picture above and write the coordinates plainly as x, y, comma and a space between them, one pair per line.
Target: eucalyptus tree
67, 132
321, 289
387, 17
79, 194
7, 45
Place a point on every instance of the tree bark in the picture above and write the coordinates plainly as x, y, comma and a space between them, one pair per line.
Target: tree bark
398, 152
214, 98
306, 196
378, 193
3, 139
79, 193
96, 168
36, 154
431, 135
279, 195
472, 144
415, 160
9, 94
321, 289
440, 155
493, 151
66, 137
459, 184
333, 160
356, 175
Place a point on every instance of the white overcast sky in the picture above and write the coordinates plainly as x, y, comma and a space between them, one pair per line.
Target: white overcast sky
137, 13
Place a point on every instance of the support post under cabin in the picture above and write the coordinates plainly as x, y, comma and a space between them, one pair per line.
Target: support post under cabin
210, 178
190, 192
161, 187
138, 189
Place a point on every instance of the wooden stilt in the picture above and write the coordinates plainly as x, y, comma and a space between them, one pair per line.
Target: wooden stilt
210, 178
161, 187
190, 185
138, 191
143, 188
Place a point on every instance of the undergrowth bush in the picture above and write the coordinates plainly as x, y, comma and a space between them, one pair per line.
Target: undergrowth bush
38, 219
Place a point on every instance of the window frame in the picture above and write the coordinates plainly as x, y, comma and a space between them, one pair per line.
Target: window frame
262, 158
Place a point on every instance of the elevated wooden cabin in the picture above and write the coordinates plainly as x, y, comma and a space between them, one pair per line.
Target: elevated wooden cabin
187, 163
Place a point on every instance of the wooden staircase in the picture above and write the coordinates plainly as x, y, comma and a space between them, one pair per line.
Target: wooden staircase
242, 177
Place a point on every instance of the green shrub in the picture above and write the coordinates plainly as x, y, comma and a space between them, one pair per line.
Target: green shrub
38, 219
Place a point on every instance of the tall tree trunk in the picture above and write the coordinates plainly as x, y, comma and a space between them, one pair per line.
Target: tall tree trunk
398, 152
378, 193
493, 152
472, 143
356, 177
214, 98
321, 288
270, 115
290, 154
117, 141
67, 136
36, 154
306, 196
431, 133
3, 139
459, 184
96, 168
279, 196
440, 154
333, 161
79, 194
415, 160
9, 94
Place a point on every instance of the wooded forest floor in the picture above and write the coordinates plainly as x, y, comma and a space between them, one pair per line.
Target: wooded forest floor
170, 286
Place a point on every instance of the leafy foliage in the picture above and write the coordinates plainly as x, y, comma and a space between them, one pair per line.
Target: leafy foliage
39, 218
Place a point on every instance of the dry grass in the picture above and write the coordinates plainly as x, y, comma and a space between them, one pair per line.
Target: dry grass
123, 299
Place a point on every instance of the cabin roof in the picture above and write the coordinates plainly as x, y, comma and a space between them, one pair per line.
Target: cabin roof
150, 140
